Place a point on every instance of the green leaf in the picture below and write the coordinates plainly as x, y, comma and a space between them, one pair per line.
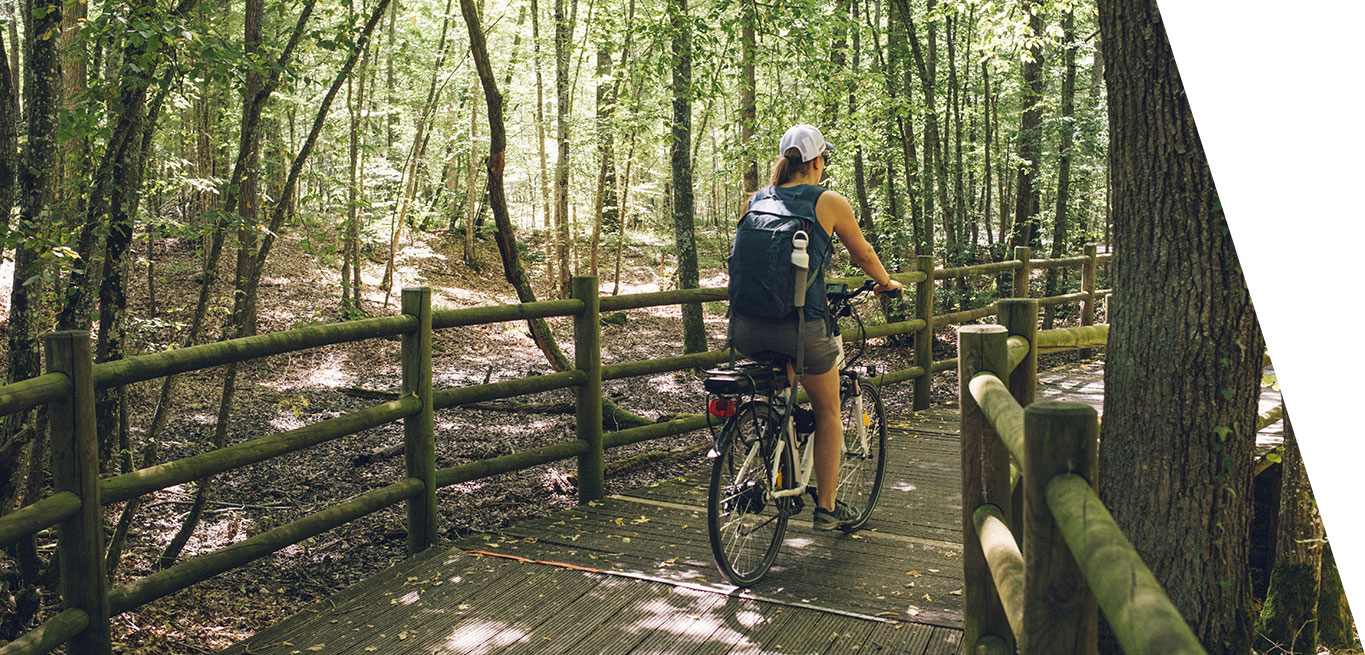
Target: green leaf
1228, 394
1272, 457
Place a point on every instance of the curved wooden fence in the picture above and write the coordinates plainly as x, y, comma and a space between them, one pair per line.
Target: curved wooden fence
1032, 466
68, 389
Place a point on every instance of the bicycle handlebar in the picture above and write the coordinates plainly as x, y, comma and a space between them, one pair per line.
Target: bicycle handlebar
868, 285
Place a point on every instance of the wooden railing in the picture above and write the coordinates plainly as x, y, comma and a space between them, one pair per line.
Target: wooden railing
68, 389
1032, 466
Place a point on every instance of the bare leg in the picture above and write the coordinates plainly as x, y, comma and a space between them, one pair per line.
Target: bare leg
823, 390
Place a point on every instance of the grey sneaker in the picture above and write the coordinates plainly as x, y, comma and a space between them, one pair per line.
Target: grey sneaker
841, 518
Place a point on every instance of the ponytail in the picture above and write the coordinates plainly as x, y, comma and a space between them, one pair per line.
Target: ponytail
786, 166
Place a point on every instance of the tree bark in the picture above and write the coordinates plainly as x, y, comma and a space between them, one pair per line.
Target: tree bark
21, 434
1289, 615
563, 36
694, 330
9, 144
1053, 278
1176, 456
748, 113
1026, 230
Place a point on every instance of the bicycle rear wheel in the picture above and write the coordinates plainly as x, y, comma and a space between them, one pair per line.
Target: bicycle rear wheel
745, 522
863, 462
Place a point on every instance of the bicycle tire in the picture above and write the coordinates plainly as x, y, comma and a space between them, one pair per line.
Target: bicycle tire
861, 471
745, 524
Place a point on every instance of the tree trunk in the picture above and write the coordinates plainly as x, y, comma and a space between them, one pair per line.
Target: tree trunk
1026, 220
563, 36
986, 142
1335, 627
1053, 278
748, 113
1289, 615
859, 176
9, 143
605, 202
540, 145
955, 101
471, 176
694, 330
21, 434
1176, 456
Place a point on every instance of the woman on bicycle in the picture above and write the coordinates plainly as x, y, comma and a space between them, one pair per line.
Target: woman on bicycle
803, 155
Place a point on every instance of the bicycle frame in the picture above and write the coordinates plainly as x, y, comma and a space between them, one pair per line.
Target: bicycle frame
805, 464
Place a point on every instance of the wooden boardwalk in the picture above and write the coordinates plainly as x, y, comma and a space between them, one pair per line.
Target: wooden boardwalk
633, 574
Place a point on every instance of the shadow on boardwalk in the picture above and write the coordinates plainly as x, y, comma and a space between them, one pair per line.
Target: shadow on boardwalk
633, 574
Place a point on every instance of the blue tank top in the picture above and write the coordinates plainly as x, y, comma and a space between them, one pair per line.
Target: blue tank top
800, 200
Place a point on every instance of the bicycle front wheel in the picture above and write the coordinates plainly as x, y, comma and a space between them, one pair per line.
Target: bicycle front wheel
863, 460
745, 522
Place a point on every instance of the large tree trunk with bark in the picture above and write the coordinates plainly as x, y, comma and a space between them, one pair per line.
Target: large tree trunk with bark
1289, 614
1176, 456
694, 330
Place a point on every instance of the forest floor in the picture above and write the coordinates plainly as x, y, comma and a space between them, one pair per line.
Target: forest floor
288, 391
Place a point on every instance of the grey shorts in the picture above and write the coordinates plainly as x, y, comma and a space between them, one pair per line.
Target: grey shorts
760, 339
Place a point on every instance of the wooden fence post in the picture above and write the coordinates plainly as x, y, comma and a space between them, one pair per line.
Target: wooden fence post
1021, 275
924, 339
1020, 318
587, 356
1088, 286
1060, 612
985, 480
419, 430
76, 468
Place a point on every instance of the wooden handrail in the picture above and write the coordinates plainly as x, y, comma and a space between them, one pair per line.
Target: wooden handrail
181, 360
30, 393
1134, 603
1006, 563
203, 567
1001, 410
50, 635
127, 486
39, 516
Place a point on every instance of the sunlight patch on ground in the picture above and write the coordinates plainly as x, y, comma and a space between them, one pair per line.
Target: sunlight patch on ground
462, 297
477, 636
203, 419
720, 279
419, 250
667, 383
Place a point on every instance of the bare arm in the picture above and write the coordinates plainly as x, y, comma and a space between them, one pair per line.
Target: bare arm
835, 212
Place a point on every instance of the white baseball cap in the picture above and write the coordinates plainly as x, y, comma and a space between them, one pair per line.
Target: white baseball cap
805, 138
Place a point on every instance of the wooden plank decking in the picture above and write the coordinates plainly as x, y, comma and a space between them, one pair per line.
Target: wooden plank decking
633, 574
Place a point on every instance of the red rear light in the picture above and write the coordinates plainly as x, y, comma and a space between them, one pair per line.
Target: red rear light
722, 407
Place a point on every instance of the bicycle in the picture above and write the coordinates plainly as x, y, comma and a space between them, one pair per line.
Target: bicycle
757, 483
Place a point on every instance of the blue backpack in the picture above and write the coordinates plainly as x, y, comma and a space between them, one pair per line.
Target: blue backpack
763, 280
